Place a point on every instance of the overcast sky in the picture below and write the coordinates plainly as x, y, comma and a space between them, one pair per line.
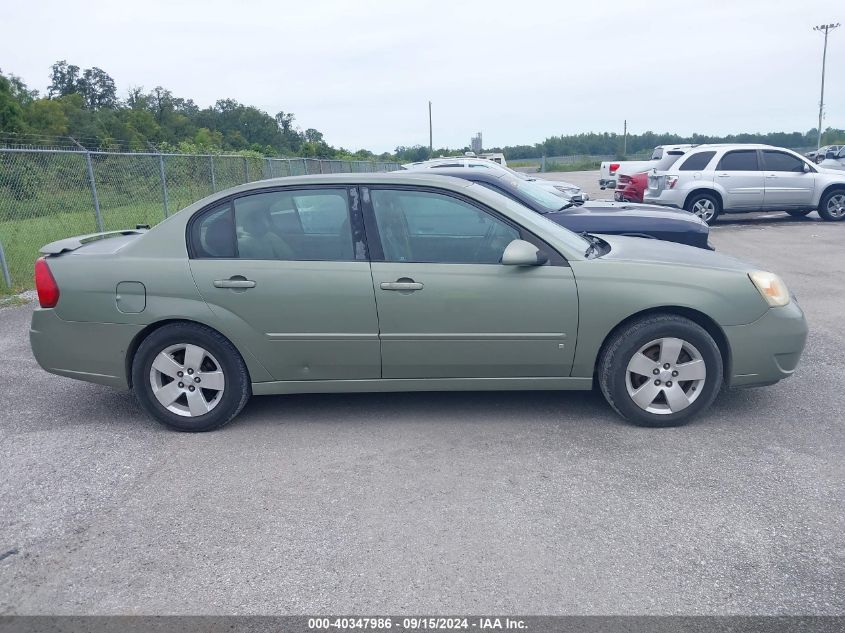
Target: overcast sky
362, 71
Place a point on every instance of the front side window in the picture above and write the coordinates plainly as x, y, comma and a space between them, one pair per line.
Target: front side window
781, 161
740, 160
697, 161
422, 226
304, 225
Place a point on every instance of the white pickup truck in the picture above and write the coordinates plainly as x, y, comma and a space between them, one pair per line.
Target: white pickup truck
609, 168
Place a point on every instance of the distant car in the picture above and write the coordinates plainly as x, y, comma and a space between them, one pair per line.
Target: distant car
397, 282
559, 187
595, 216
818, 155
630, 188
665, 154
834, 160
736, 178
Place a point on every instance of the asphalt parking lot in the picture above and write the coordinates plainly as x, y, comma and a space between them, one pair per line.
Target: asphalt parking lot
533, 503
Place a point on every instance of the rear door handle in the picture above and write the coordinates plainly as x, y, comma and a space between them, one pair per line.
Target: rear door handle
234, 283
401, 285
723, 175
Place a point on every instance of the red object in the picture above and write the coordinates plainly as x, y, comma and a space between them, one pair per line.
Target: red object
45, 284
613, 168
630, 188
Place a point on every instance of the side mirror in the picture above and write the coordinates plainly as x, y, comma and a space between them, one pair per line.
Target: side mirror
522, 253
806, 168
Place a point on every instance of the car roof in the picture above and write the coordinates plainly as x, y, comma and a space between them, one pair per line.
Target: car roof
738, 145
467, 172
404, 177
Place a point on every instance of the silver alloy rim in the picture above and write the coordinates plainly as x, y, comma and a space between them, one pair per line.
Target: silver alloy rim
187, 380
836, 205
665, 376
705, 209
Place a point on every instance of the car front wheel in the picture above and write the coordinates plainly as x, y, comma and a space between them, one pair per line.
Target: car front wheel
660, 371
706, 206
189, 377
832, 206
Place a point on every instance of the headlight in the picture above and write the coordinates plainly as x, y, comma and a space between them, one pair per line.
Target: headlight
771, 286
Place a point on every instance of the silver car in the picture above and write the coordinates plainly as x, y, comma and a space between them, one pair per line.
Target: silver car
715, 179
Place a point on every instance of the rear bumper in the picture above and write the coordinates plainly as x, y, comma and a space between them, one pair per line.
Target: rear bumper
607, 184
767, 350
666, 198
93, 352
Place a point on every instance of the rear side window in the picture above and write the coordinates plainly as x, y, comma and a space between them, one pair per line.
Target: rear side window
697, 161
781, 161
740, 160
304, 225
213, 234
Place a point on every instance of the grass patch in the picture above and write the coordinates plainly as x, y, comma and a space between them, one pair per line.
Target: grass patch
583, 165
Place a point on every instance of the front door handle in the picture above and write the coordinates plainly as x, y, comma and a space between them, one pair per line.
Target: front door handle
409, 285
723, 175
234, 282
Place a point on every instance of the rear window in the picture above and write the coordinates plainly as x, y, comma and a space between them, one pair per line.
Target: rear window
697, 161
740, 160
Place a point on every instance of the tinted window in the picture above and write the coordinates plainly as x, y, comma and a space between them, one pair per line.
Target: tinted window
740, 160
697, 161
294, 225
285, 225
421, 226
213, 234
781, 161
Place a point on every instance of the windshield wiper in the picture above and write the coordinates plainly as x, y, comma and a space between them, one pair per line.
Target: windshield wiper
594, 247
566, 206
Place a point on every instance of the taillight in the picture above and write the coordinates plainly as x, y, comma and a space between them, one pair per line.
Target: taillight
671, 181
45, 284
613, 168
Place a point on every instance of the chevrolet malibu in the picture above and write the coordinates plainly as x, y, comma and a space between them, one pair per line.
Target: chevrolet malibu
401, 282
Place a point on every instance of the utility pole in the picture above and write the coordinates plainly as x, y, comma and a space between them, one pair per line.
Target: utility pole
625, 139
430, 136
826, 28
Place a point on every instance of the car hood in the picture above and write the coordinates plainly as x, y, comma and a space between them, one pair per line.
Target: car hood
606, 207
636, 249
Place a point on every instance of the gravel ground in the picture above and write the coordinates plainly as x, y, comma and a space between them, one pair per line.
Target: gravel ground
537, 503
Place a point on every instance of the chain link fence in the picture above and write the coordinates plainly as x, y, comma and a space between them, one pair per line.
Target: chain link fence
47, 195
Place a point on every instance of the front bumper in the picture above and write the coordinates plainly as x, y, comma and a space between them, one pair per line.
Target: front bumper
93, 352
767, 350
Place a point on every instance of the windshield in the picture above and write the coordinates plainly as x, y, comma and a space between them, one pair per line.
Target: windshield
529, 218
534, 192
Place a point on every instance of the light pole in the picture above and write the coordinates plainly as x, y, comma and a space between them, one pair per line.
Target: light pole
430, 134
826, 28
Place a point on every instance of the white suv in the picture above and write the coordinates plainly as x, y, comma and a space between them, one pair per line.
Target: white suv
712, 179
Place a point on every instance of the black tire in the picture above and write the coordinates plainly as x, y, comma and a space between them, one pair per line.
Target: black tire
827, 214
818, 160
626, 342
708, 197
237, 382
799, 213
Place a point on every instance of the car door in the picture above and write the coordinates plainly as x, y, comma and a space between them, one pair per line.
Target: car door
447, 307
740, 176
787, 185
288, 269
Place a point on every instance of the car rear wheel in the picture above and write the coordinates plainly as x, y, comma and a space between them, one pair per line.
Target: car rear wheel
660, 371
706, 206
189, 377
832, 206
799, 213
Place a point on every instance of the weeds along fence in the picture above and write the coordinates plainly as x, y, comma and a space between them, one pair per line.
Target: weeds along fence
50, 194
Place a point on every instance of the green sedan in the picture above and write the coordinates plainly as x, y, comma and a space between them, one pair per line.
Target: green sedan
401, 282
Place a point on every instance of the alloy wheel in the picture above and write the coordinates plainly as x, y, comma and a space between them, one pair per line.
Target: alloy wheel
705, 209
836, 205
187, 380
665, 376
